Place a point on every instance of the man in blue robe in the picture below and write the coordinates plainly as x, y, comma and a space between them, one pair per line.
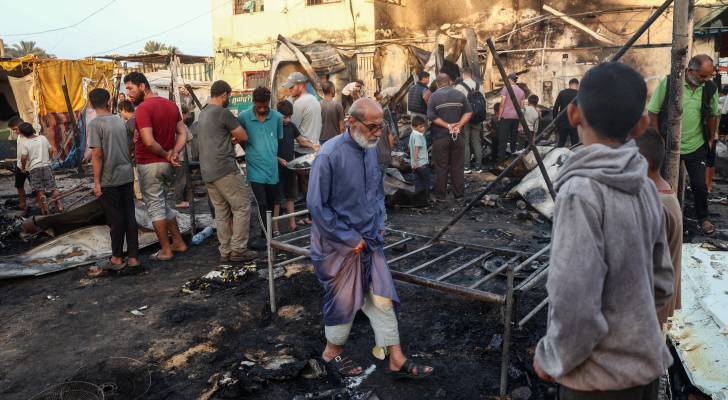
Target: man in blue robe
346, 201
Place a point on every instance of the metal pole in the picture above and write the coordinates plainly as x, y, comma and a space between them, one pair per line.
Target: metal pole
271, 254
549, 129
505, 358
533, 312
673, 130
115, 98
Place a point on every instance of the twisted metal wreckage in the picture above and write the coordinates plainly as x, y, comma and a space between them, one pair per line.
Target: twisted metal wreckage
520, 274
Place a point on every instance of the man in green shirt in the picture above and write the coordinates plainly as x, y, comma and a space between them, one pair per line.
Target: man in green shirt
265, 128
699, 126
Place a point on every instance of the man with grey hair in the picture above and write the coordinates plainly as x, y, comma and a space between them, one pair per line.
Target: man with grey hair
346, 200
699, 128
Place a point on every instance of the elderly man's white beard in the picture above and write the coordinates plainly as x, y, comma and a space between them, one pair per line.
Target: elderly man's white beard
362, 141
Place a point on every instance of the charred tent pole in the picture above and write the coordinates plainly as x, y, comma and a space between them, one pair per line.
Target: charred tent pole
74, 126
174, 91
193, 95
551, 126
115, 96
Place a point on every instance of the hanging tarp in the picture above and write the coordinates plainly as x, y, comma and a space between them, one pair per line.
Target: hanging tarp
23, 93
50, 76
325, 59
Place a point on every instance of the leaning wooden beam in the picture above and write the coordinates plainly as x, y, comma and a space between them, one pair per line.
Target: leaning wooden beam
577, 24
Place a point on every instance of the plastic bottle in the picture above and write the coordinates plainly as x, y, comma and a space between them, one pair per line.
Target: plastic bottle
202, 235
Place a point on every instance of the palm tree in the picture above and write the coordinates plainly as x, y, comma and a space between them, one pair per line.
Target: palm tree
27, 47
154, 47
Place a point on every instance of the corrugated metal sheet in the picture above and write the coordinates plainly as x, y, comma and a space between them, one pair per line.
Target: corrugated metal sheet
700, 340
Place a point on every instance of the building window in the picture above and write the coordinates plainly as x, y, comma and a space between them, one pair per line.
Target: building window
253, 79
317, 2
247, 6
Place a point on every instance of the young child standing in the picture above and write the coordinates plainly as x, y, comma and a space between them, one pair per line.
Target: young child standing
287, 178
610, 267
652, 147
532, 114
35, 159
418, 155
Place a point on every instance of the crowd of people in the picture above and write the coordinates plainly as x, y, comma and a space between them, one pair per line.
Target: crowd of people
611, 196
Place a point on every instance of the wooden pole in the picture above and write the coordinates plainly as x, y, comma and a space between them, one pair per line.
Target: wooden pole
680, 46
74, 126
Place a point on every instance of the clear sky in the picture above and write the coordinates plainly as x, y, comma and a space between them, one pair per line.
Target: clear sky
122, 22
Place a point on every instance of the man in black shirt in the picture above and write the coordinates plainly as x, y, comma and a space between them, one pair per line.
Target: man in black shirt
563, 127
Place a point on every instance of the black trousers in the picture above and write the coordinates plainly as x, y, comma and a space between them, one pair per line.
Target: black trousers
645, 392
118, 205
507, 133
695, 166
266, 196
567, 133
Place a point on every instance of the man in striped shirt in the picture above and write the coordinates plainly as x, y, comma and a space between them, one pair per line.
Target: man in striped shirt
448, 110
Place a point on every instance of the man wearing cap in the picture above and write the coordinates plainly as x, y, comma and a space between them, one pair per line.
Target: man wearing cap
508, 117
306, 110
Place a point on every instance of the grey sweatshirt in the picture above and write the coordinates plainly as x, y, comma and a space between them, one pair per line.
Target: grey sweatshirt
610, 270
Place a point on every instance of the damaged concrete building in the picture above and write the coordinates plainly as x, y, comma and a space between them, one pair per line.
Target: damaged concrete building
548, 42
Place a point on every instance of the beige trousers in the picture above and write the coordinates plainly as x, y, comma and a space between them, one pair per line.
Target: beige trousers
231, 197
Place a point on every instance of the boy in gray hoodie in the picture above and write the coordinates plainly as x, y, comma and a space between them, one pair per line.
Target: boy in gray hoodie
610, 266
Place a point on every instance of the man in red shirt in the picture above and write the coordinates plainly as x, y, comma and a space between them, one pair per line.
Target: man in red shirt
161, 137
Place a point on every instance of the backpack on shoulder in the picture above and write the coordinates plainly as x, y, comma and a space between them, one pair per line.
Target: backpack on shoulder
477, 103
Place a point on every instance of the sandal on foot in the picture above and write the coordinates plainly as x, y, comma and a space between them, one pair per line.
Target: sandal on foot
343, 366
410, 370
157, 257
107, 265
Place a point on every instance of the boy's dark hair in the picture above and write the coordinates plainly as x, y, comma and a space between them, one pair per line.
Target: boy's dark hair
14, 121
359, 81
652, 148
261, 95
533, 100
418, 121
26, 129
612, 99
422, 75
126, 105
328, 88
136, 78
99, 98
285, 108
573, 81
219, 88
